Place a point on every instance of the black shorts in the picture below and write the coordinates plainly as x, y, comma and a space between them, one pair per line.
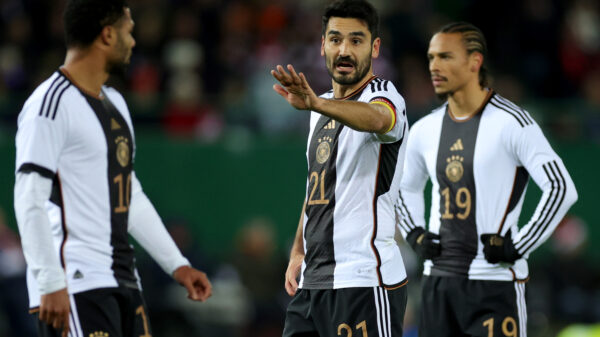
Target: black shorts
373, 312
114, 312
457, 306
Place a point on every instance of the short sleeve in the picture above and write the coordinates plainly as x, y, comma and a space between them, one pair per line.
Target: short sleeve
40, 138
384, 93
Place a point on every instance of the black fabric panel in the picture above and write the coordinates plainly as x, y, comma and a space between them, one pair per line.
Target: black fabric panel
387, 166
120, 192
320, 258
458, 237
56, 193
521, 179
385, 174
31, 167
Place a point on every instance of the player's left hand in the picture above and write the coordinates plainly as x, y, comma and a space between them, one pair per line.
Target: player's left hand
498, 249
294, 88
195, 281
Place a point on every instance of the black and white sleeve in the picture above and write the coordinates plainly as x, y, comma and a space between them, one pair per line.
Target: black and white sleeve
550, 174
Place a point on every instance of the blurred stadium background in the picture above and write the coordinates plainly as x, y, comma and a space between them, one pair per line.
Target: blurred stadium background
222, 156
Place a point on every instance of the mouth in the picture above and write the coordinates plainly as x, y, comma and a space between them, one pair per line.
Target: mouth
438, 80
344, 66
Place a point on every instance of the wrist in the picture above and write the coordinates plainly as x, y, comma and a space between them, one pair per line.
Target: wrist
317, 105
179, 270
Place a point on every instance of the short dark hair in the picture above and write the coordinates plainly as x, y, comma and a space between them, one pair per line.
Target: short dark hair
356, 9
84, 19
474, 41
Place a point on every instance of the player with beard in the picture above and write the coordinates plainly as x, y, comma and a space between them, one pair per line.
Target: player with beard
76, 195
351, 270
479, 150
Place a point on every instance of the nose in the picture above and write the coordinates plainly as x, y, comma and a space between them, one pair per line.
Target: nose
344, 48
433, 65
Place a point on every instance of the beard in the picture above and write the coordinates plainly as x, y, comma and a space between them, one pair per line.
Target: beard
443, 96
360, 69
118, 65
118, 68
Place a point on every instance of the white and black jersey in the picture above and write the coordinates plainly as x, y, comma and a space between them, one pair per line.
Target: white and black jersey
85, 144
353, 181
479, 168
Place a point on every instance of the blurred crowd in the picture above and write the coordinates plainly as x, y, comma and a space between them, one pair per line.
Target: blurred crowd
200, 71
200, 68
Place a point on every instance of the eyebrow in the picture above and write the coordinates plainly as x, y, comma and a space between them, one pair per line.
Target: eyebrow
335, 32
442, 53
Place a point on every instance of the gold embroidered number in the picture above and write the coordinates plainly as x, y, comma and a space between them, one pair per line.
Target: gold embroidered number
490, 325
512, 332
322, 200
346, 327
360, 326
462, 200
140, 311
509, 327
123, 200
446, 193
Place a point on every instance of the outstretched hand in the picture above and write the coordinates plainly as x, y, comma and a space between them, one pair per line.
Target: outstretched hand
294, 88
195, 281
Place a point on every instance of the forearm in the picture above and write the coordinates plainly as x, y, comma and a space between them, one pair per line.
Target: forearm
558, 195
148, 230
298, 246
30, 196
356, 115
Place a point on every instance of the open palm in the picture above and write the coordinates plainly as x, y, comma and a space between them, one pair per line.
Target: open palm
294, 88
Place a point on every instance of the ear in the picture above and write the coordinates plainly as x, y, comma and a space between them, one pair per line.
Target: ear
107, 36
375, 48
476, 60
322, 45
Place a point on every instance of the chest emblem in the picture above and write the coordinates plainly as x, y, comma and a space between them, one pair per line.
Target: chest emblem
122, 151
454, 169
324, 149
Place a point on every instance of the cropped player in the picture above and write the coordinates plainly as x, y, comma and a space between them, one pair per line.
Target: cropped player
76, 194
479, 150
352, 275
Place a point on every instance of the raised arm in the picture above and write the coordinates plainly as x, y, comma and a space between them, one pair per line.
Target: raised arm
359, 116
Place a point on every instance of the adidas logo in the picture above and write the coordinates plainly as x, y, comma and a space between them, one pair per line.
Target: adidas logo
114, 125
78, 275
330, 125
457, 146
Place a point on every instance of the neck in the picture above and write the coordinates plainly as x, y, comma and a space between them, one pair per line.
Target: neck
86, 69
468, 100
341, 91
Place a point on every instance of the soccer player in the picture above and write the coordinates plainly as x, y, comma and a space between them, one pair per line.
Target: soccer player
76, 195
479, 150
352, 273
